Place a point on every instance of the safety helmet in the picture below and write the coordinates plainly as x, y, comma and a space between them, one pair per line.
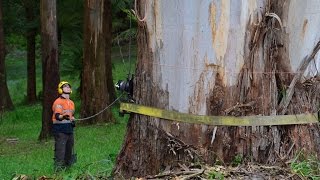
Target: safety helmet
60, 91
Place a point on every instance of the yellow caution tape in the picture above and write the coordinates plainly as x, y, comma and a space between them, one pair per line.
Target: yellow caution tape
220, 120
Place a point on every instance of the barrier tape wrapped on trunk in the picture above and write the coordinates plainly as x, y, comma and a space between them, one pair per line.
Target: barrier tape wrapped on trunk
306, 118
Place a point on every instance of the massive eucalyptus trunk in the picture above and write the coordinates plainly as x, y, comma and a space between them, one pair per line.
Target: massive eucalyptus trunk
222, 57
5, 100
50, 64
97, 88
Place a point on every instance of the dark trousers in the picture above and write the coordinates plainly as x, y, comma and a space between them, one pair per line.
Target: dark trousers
63, 148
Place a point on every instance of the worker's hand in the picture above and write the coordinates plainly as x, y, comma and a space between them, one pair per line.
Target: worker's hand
67, 117
73, 123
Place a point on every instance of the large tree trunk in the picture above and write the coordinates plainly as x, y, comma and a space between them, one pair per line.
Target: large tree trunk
97, 91
5, 100
31, 51
50, 64
223, 58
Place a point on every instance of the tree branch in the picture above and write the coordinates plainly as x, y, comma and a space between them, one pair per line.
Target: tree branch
289, 92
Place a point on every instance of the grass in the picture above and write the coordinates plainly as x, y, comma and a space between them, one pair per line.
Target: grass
20, 151
306, 166
96, 146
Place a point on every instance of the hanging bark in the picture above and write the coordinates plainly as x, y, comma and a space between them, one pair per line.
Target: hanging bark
31, 50
97, 87
5, 100
50, 64
231, 58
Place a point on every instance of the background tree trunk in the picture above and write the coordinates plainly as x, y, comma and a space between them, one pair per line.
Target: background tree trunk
108, 36
31, 50
97, 91
5, 100
222, 58
50, 64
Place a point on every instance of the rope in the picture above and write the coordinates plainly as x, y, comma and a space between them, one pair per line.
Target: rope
108, 106
129, 73
135, 12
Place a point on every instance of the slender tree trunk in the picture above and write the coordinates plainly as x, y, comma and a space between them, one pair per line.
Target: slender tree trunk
5, 100
230, 58
50, 64
31, 50
108, 36
97, 90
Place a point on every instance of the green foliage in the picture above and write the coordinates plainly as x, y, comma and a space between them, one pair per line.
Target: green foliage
70, 28
16, 43
306, 166
237, 160
124, 36
71, 60
215, 175
70, 16
13, 16
120, 15
124, 22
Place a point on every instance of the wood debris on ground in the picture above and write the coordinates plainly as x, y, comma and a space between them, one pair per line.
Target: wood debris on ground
242, 172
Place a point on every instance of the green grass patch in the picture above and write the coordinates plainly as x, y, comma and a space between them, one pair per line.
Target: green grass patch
20, 151
306, 166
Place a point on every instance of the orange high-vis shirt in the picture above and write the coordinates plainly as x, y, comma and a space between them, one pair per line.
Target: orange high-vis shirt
64, 107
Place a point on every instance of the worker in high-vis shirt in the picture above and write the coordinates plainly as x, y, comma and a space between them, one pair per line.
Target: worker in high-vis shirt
63, 124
